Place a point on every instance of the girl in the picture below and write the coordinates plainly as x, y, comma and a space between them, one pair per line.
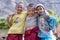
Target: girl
31, 28
17, 23
46, 23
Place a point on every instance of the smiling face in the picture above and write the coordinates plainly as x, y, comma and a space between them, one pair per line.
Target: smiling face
30, 11
39, 9
19, 8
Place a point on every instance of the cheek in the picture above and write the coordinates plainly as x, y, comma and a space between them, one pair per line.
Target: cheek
40, 11
28, 12
19, 8
33, 12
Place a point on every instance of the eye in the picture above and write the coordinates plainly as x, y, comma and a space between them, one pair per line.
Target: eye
19, 7
39, 8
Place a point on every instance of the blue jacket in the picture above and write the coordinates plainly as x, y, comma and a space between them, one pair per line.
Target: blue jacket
51, 22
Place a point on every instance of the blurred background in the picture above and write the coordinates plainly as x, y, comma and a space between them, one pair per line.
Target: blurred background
8, 7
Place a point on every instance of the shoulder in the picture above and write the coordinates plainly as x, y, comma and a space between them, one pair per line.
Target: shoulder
11, 15
52, 18
24, 12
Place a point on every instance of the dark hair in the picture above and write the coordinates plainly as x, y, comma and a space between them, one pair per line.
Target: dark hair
38, 6
30, 5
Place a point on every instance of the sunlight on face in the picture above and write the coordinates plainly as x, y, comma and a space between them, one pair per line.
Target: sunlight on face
30, 10
19, 8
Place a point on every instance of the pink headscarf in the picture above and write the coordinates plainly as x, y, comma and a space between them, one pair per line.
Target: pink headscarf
40, 5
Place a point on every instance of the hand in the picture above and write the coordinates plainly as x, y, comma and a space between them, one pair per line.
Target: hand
47, 28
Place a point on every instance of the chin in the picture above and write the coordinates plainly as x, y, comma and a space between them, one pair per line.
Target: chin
19, 11
39, 13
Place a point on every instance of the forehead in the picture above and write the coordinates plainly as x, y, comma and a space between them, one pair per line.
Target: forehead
31, 8
39, 7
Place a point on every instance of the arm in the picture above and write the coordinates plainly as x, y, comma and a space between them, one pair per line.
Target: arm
38, 23
52, 24
9, 20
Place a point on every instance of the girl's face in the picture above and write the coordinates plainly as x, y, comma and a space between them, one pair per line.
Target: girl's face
39, 10
19, 8
30, 11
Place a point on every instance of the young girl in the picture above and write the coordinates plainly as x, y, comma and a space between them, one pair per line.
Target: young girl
46, 23
31, 28
17, 23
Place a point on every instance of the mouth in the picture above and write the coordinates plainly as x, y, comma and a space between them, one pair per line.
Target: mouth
19, 10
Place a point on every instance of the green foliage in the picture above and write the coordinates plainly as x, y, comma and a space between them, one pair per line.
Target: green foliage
3, 24
52, 13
